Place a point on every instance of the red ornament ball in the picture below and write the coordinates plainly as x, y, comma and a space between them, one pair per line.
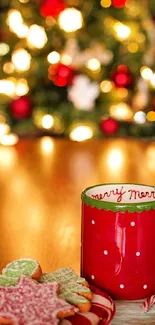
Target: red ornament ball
61, 75
109, 126
21, 108
51, 7
118, 3
122, 77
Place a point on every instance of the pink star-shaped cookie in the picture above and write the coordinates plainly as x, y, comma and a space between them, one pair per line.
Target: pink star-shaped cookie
31, 303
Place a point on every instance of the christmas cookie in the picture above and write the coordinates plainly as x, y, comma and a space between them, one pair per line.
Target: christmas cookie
7, 281
23, 266
30, 302
73, 288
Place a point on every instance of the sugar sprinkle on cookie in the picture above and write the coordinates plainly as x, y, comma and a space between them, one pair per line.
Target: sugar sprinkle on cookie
32, 302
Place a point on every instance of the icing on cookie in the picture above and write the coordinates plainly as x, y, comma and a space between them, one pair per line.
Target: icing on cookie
7, 281
63, 275
71, 288
22, 266
31, 302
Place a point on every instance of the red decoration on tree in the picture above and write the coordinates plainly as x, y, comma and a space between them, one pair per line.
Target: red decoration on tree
109, 126
122, 77
61, 75
21, 108
118, 3
51, 7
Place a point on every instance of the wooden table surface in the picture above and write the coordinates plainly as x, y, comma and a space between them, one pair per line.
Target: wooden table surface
40, 186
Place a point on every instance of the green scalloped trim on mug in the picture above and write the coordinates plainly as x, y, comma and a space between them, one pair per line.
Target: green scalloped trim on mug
117, 207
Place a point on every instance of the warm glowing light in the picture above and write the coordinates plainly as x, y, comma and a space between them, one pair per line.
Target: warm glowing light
24, 1
36, 36
70, 20
81, 133
66, 59
53, 57
122, 31
133, 47
21, 60
115, 159
152, 80
22, 31
121, 111
8, 157
9, 139
150, 155
47, 121
106, 86
140, 117
146, 73
4, 129
122, 92
8, 67
105, 3
47, 144
93, 64
14, 20
7, 87
4, 49
150, 116
22, 87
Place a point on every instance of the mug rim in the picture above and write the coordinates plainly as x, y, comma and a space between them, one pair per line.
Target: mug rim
117, 207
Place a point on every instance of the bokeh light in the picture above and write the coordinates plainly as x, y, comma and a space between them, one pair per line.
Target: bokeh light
106, 86
81, 133
9, 139
4, 49
140, 117
22, 87
146, 73
21, 59
36, 36
8, 67
53, 57
121, 111
122, 31
47, 121
105, 3
93, 64
47, 145
70, 20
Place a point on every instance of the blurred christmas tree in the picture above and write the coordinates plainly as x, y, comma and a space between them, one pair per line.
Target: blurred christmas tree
77, 68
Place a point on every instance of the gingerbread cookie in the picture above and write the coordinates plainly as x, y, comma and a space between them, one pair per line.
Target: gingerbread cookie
30, 302
73, 288
23, 266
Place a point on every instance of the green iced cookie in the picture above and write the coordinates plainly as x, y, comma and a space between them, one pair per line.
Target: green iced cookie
64, 276
22, 266
71, 288
7, 281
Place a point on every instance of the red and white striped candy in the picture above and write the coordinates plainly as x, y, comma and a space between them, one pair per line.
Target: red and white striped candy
148, 303
101, 313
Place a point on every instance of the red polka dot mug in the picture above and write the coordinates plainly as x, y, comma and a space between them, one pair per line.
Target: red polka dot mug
118, 239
